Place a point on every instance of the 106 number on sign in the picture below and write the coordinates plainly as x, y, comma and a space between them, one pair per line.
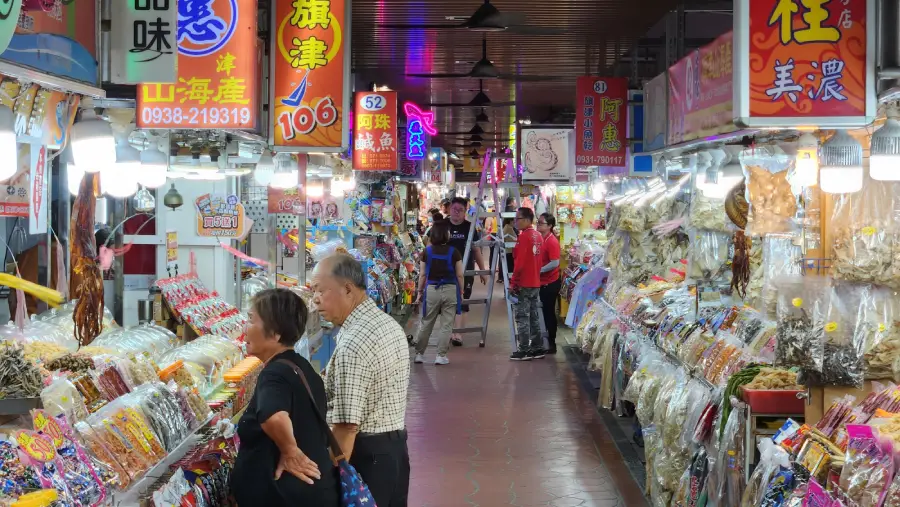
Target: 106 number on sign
305, 119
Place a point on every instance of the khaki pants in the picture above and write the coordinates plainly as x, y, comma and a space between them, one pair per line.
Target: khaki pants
440, 309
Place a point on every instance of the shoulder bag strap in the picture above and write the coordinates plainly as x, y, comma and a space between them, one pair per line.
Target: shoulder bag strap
332, 442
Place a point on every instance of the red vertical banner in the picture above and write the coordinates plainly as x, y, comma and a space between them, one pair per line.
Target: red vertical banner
310, 75
805, 62
375, 144
601, 125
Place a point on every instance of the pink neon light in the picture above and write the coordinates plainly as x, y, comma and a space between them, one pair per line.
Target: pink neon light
427, 117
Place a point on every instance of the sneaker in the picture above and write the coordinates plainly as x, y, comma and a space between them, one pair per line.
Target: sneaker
537, 353
519, 356
439, 360
456, 340
420, 358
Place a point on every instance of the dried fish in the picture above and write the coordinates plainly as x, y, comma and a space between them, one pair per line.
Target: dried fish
19, 378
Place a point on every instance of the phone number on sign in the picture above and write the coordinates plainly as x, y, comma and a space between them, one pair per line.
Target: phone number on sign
600, 160
236, 117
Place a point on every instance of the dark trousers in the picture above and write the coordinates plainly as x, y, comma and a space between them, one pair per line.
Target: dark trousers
549, 296
382, 460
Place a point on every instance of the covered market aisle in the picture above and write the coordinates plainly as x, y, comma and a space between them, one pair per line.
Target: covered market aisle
485, 431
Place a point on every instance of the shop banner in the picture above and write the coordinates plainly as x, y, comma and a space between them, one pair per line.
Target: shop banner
171, 249
800, 63
16, 200
143, 47
375, 131
548, 153
219, 216
37, 202
284, 200
601, 124
410, 170
42, 116
310, 75
218, 71
9, 17
656, 110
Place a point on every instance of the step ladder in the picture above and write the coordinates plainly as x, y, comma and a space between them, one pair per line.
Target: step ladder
498, 255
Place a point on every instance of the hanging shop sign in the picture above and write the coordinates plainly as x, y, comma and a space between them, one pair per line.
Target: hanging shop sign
410, 170
42, 116
61, 41
284, 200
419, 129
547, 153
37, 202
144, 47
375, 125
218, 71
656, 112
310, 75
9, 17
801, 62
15, 200
601, 124
701, 93
218, 216
437, 166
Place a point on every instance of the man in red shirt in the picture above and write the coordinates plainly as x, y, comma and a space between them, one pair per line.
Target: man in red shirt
550, 280
525, 283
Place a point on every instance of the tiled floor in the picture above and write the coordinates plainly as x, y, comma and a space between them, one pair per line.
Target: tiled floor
485, 431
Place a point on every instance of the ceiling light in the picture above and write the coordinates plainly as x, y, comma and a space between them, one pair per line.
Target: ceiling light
285, 172
9, 152
807, 170
173, 199
205, 176
93, 145
315, 190
118, 181
841, 169
236, 171
265, 170
154, 163
143, 201
884, 150
74, 175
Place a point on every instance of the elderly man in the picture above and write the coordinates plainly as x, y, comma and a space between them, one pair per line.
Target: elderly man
366, 379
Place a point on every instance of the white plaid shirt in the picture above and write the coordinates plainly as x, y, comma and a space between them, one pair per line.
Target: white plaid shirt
368, 375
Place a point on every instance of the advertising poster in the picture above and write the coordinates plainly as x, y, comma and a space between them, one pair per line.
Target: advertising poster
310, 75
283, 200
547, 153
37, 202
219, 216
805, 63
15, 198
171, 249
701, 92
375, 131
218, 72
601, 121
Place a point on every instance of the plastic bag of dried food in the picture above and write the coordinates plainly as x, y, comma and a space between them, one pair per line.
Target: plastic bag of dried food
772, 204
769, 461
708, 254
780, 257
843, 363
730, 462
869, 467
646, 402
864, 230
647, 368
800, 332
876, 329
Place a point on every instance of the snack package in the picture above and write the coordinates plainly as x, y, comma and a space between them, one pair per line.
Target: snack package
61, 397
800, 341
769, 461
843, 361
836, 414
708, 255
17, 474
83, 481
772, 203
868, 468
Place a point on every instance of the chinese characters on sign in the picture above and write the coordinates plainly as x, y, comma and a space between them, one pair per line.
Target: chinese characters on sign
171, 250
284, 200
375, 131
219, 217
419, 124
217, 73
601, 121
805, 61
37, 212
309, 75
144, 46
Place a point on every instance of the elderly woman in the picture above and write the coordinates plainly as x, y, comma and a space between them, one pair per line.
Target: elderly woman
283, 457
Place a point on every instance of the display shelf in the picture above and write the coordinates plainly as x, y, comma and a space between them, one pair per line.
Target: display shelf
754, 433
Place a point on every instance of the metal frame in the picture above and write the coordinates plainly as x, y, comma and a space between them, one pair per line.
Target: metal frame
346, 103
741, 79
49, 81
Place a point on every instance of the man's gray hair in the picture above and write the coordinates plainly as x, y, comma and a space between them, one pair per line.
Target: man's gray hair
345, 267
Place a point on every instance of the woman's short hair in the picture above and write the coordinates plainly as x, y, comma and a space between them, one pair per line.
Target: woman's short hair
440, 233
436, 216
282, 313
550, 219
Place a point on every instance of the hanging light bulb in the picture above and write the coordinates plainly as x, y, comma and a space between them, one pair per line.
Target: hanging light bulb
315, 190
154, 164
841, 164
807, 170
117, 182
884, 154
285, 172
265, 170
93, 145
74, 175
8, 149
143, 201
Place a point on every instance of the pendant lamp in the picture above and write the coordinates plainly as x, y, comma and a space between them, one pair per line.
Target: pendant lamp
841, 163
884, 154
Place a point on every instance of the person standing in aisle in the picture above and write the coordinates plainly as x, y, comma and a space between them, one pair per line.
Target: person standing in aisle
525, 285
366, 380
445, 207
440, 284
550, 280
459, 235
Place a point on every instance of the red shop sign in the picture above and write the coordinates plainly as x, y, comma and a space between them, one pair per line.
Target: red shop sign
601, 124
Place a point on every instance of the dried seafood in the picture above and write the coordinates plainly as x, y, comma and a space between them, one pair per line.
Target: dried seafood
83, 249
709, 213
865, 255
19, 378
772, 204
740, 265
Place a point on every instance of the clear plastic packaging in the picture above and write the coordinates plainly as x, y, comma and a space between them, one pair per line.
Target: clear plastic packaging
708, 256
869, 467
61, 397
780, 258
865, 236
843, 362
769, 461
877, 331
802, 303
772, 203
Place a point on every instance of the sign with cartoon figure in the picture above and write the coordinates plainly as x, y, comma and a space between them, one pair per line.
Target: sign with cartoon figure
804, 62
219, 216
309, 75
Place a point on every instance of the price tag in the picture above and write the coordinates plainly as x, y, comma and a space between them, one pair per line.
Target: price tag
868, 231
797, 302
49, 427
831, 327
35, 445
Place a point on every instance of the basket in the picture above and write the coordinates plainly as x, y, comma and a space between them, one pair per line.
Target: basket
776, 401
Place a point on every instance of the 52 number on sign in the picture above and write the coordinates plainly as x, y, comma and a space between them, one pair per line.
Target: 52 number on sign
164, 116
305, 119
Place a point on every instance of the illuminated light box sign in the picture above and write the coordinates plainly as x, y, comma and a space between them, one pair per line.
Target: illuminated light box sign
418, 124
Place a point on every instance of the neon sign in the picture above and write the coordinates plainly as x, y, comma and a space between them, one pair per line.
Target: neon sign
418, 124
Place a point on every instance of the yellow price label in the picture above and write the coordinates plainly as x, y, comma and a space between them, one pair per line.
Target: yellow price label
868, 231
831, 327
881, 327
797, 302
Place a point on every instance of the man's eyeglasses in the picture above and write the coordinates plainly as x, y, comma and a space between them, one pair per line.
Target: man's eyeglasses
542, 223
